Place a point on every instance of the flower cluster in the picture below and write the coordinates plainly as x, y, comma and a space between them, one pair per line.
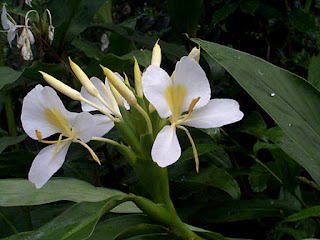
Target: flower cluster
26, 38
182, 99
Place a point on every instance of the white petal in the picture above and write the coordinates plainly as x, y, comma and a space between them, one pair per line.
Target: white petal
45, 164
98, 84
216, 113
33, 107
103, 125
166, 149
6, 23
189, 74
154, 83
11, 35
84, 125
31, 37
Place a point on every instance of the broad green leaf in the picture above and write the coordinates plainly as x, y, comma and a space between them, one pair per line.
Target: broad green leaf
219, 178
314, 71
258, 178
249, 6
254, 125
15, 163
8, 141
224, 12
291, 101
20, 192
297, 234
303, 214
89, 49
77, 222
104, 15
201, 149
156, 236
302, 20
7, 76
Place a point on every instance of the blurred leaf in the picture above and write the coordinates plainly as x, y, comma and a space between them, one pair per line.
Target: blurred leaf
302, 21
297, 234
77, 222
104, 14
254, 125
263, 145
213, 236
219, 178
286, 97
15, 163
20, 192
160, 236
7, 76
249, 6
258, 178
88, 49
202, 148
303, 214
314, 71
214, 133
224, 12
8, 141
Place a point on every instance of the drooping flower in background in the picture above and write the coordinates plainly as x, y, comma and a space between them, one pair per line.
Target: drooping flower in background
184, 98
105, 42
50, 28
28, 2
43, 114
9, 25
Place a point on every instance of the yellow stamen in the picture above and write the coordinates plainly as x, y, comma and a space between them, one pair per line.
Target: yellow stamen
58, 143
94, 156
194, 149
39, 136
191, 107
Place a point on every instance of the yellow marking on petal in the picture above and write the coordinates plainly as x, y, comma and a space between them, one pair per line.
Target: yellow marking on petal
175, 96
194, 149
54, 117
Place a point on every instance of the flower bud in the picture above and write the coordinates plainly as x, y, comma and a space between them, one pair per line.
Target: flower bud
61, 87
156, 55
137, 78
83, 78
195, 54
120, 86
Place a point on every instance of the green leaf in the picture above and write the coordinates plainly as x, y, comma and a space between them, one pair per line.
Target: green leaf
8, 141
249, 6
202, 148
224, 12
7, 76
20, 192
254, 125
302, 21
314, 71
303, 214
258, 178
291, 101
88, 49
219, 178
77, 222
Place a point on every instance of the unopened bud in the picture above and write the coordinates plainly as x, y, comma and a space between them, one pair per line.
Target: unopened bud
156, 55
195, 54
83, 78
120, 86
137, 78
61, 87
116, 95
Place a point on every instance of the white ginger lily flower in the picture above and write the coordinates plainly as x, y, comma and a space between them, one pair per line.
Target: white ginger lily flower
50, 28
187, 91
43, 114
28, 2
110, 102
105, 42
9, 25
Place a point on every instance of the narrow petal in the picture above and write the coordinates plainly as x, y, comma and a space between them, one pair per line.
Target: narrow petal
216, 113
84, 126
11, 35
166, 149
103, 125
98, 84
45, 164
189, 74
34, 108
6, 24
154, 83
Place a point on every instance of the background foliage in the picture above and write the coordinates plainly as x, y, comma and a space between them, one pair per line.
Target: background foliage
258, 179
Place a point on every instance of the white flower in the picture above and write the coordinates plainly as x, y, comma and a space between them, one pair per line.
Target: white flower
28, 2
105, 42
9, 25
43, 114
50, 28
185, 99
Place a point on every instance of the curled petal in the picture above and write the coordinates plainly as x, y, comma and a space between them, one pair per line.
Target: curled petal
189, 74
166, 149
6, 23
45, 164
154, 83
217, 113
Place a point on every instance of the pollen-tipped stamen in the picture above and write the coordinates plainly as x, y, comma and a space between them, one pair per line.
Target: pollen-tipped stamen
57, 147
191, 107
39, 136
93, 154
194, 149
